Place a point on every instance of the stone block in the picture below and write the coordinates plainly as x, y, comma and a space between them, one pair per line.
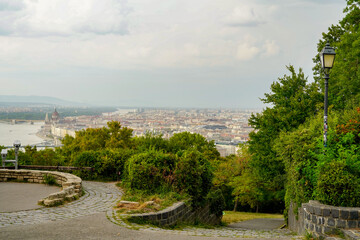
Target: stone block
311, 227
163, 222
335, 213
318, 211
321, 220
164, 215
318, 229
352, 223
310, 209
327, 230
314, 218
344, 214
331, 222
340, 223
353, 215
54, 202
326, 212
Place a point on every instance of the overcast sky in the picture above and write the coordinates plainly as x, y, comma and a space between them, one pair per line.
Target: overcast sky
158, 53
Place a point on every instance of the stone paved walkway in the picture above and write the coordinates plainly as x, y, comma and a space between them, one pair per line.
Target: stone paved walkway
101, 197
98, 197
215, 232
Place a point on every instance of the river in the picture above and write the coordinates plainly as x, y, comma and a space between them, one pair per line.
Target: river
25, 132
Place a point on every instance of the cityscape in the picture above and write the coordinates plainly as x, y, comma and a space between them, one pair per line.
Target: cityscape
134, 119
226, 127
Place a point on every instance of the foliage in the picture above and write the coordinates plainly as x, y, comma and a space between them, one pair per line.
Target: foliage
344, 37
338, 167
151, 141
293, 100
107, 163
316, 172
181, 142
193, 176
112, 136
49, 180
217, 202
232, 217
151, 171
337, 185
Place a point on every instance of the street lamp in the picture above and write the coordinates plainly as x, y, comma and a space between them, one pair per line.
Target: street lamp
3, 156
327, 57
17, 145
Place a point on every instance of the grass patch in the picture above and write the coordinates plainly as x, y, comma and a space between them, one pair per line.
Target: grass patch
50, 180
231, 217
161, 200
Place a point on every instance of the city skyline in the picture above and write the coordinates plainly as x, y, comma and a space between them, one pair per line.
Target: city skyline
218, 54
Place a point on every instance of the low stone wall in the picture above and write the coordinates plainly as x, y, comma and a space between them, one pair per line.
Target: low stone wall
178, 213
71, 184
320, 219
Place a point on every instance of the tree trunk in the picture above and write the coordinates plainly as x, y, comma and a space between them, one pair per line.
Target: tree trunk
235, 206
257, 208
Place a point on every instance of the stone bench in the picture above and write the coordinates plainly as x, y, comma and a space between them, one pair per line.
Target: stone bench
71, 184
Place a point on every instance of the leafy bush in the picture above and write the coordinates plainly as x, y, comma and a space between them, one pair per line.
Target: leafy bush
217, 202
49, 179
107, 163
193, 176
337, 186
150, 171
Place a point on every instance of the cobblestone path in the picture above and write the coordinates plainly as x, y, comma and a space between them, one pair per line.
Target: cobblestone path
101, 197
214, 232
98, 197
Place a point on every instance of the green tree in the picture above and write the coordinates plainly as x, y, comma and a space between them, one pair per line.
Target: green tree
180, 142
113, 136
292, 101
344, 84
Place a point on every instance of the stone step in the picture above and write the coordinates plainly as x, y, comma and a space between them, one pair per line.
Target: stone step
352, 234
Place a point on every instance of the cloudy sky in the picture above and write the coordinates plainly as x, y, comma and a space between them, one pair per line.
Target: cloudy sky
160, 53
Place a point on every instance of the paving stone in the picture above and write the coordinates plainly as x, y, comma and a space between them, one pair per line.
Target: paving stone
102, 197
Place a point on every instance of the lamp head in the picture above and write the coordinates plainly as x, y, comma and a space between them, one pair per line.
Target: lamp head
3, 153
17, 144
327, 57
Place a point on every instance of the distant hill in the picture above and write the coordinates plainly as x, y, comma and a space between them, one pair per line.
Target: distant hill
9, 100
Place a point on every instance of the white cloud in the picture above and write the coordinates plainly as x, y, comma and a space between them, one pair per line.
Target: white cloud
11, 5
243, 16
246, 51
66, 17
271, 48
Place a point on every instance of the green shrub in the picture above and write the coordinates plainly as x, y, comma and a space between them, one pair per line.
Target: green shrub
337, 186
107, 163
217, 202
193, 176
49, 180
150, 171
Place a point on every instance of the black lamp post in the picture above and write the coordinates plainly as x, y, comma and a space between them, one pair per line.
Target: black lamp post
327, 57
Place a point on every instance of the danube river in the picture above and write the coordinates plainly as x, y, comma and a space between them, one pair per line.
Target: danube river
25, 132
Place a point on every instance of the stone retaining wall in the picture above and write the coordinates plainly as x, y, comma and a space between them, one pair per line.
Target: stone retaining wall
178, 213
71, 184
320, 219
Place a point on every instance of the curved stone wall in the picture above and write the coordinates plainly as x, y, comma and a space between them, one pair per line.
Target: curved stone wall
179, 212
71, 184
321, 220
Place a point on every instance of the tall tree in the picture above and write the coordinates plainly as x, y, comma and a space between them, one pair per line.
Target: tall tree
292, 100
344, 84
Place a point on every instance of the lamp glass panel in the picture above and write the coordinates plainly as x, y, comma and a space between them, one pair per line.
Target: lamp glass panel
329, 61
322, 60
